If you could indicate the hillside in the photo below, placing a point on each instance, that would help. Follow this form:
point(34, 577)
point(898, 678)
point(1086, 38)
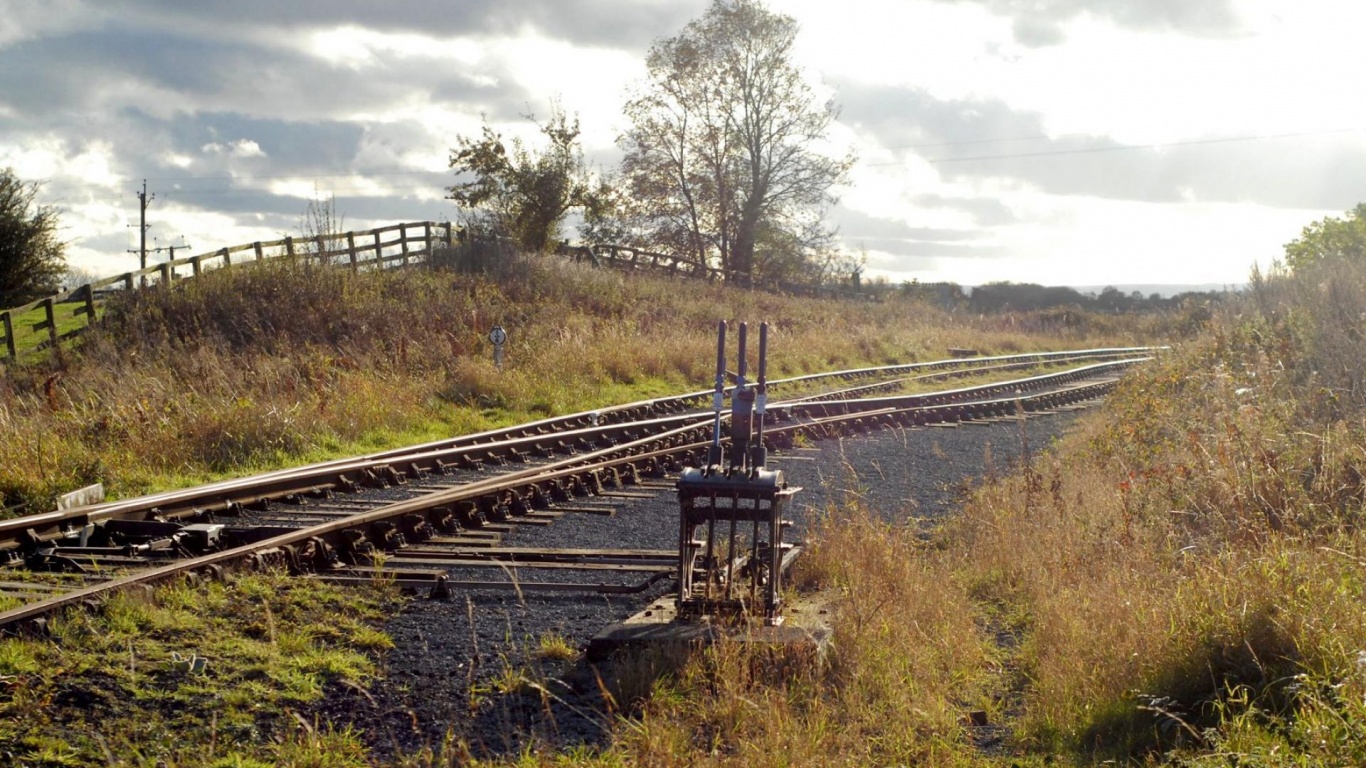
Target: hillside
point(285, 362)
point(1176, 583)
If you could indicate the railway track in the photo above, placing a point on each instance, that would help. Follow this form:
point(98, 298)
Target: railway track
point(413, 515)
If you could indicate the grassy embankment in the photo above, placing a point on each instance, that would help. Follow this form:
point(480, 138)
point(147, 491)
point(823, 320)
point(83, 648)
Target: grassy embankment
point(285, 363)
point(1180, 583)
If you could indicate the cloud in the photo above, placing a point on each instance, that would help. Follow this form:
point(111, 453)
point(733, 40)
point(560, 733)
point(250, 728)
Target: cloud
point(1039, 23)
point(900, 245)
point(608, 23)
point(974, 141)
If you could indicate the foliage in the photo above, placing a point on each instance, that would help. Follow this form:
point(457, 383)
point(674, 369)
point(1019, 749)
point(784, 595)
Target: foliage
point(32, 258)
point(1179, 584)
point(1008, 296)
point(522, 194)
point(721, 157)
point(1330, 238)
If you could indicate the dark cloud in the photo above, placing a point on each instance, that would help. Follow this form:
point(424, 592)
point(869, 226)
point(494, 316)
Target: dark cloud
point(985, 211)
point(1039, 22)
point(859, 226)
point(212, 122)
point(585, 22)
point(85, 70)
point(940, 250)
point(980, 139)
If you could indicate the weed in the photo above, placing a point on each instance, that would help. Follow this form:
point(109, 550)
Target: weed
point(554, 647)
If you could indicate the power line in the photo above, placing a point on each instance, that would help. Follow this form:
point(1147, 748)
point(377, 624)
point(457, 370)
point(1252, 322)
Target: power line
point(1113, 148)
point(930, 144)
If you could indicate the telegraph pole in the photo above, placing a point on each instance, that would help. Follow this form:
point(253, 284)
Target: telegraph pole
point(170, 249)
point(143, 200)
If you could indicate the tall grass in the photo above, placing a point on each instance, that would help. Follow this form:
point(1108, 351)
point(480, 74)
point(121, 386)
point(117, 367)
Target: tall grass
point(1180, 583)
point(287, 361)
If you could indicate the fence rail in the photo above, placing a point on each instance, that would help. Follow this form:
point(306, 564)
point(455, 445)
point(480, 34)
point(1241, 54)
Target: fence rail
point(382, 248)
point(47, 322)
point(629, 258)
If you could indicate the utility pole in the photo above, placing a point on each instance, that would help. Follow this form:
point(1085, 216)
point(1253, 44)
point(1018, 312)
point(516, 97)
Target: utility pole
point(170, 249)
point(143, 200)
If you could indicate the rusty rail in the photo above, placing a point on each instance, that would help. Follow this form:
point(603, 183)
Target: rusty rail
point(590, 473)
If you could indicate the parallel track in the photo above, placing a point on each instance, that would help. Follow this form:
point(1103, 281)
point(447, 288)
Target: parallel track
point(107, 547)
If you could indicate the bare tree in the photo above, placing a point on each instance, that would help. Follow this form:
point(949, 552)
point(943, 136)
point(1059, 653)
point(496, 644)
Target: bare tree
point(721, 157)
point(322, 227)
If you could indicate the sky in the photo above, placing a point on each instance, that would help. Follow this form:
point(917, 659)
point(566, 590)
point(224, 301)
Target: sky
point(1068, 142)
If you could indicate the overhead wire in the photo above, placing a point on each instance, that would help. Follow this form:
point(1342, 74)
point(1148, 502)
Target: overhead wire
point(1095, 150)
point(173, 193)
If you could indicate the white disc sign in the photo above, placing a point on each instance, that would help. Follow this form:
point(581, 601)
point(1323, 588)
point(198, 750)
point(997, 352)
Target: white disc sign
point(498, 336)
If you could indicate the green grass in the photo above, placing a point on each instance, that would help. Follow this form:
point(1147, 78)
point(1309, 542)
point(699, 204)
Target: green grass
point(253, 369)
point(27, 341)
point(106, 684)
point(1179, 584)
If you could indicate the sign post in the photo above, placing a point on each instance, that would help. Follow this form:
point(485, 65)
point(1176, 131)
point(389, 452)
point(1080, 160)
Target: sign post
point(498, 337)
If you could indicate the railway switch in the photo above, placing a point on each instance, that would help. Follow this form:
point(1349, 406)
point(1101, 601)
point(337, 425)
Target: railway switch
point(731, 552)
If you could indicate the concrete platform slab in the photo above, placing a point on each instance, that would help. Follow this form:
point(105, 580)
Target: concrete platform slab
point(807, 624)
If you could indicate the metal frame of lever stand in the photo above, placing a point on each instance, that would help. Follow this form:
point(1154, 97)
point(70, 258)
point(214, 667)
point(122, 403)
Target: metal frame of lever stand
point(718, 501)
point(728, 577)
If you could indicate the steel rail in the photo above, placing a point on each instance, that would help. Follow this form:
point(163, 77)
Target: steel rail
point(518, 483)
point(503, 444)
point(582, 420)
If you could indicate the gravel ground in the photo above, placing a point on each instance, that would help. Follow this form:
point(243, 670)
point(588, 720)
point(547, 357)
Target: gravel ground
point(460, 666)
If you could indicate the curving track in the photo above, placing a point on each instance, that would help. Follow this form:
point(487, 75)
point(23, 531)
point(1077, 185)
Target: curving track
point(423, 510)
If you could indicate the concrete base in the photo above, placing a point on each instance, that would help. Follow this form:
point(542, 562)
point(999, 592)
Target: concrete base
point(806, 625)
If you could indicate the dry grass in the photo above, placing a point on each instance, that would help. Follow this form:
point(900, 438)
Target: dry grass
point(284, 362)
point(1179, 584)
point(891, 692)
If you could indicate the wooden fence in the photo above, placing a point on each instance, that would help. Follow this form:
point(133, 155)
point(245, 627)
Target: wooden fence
point(45, 323)
point(397, 245)
point(630, 259)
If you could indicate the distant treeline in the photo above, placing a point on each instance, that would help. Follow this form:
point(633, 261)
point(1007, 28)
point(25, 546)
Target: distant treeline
point(1020, 297)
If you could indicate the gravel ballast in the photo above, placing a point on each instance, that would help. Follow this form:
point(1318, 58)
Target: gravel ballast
point(467, 667)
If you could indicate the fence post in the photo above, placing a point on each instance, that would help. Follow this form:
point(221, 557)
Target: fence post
point(403, 242)
point(51, 321)
point(427, 237)
point(128, 281)
point(379, 250)
point(322, 249)
point(166, 274)
point(227, 258)
point(289, 246)
point(257, 246)
point(89, 303)
point(450, 235)
point(194, 266)
point(351, 250)
point(9, 335)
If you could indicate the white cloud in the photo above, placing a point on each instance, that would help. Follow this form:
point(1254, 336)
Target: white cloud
point(302, 99)
point(240, 148)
